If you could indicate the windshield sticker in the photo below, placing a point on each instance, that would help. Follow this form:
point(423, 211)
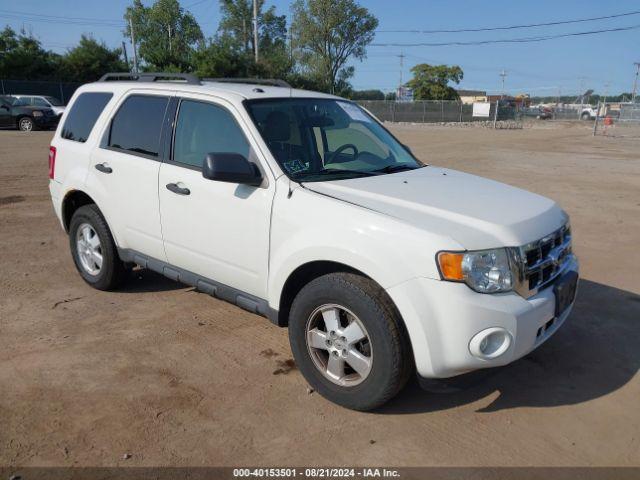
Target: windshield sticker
point(354, 112)
point(294, 166)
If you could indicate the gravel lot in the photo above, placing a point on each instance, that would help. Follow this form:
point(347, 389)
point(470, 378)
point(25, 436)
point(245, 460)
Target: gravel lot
point(174, 377)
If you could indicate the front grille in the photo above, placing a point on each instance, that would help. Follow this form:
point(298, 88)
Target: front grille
point(543, 260)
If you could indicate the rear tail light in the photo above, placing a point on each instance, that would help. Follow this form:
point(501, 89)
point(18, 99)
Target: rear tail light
point(52, 162)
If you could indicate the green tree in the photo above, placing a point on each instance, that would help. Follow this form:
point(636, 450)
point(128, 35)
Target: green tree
point(236, 33)
point(367, 95)
point(90, 59)
point(216, 58)
point(166, 35)
point(431, 82)
point(24, 58)
point(327, 34)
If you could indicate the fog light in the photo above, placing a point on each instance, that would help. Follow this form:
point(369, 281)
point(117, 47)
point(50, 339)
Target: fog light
point(490, 343)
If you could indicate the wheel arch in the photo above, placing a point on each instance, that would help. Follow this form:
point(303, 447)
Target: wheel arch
point(72, 201)
point(309, 271)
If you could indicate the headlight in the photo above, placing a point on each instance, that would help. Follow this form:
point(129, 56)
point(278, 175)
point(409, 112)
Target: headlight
point(485, 271)
point(37, 113)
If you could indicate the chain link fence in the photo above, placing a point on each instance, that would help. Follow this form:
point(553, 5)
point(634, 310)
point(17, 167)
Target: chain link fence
point(620, 120)
point(434, 111)
point(60, 90)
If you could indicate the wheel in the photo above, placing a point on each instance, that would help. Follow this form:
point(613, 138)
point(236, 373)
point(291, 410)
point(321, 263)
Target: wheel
point(26, 124)
point(585, 116)
point(93, 249)
point(349, 342)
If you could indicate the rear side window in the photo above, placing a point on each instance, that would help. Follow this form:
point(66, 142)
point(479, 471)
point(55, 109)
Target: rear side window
point(137, 125)
point(205, 128)
point(83, 115)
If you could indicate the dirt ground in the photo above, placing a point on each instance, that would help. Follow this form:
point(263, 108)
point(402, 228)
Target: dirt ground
point(174, 377)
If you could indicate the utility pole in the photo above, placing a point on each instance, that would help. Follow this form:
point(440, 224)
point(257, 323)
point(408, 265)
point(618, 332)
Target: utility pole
point(169, 29)
point(401, 57)
point(124, 52)
point(133, 43)
point(255, 28)
point(582, 91)
point(503, 74)
point(635, 82)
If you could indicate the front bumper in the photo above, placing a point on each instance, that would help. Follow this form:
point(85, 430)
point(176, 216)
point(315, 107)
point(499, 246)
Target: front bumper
point(442, 318)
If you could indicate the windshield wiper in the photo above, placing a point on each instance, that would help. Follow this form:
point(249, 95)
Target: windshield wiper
point(338, 171)
point(396, 167)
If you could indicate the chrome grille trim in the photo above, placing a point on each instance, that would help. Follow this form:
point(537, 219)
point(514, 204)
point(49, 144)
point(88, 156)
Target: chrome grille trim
point(539, 263)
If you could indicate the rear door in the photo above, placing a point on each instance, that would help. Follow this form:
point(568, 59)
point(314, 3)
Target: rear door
point(124, 170)
point(218, 230)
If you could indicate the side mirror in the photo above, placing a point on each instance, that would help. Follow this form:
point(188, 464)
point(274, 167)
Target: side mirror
point(232, 168)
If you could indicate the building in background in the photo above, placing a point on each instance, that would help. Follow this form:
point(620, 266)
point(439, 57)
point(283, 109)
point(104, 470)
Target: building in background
point(472, 96)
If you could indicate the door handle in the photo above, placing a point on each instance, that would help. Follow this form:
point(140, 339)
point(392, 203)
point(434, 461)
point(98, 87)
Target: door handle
point(104, 168)
point(176, 189)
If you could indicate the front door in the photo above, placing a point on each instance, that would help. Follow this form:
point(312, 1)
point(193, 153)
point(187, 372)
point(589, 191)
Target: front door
point(215, 229)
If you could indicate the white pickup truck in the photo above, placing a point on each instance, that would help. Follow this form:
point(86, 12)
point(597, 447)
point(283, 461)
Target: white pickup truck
point(303, 208)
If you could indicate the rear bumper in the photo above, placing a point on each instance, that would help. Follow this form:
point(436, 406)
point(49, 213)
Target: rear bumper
point(46, 121)
point(444, 321)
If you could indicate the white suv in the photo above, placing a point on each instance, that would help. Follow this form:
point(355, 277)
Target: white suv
point(303, 208)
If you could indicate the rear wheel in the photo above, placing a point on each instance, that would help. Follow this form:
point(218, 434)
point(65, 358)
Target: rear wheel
point(94, 252)
point(26, 124)
point(348, 341)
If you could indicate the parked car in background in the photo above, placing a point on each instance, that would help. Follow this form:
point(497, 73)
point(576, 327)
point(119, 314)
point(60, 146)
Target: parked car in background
point(25, 117)
point(539, 112)
point(588, 112)
point(42, 101)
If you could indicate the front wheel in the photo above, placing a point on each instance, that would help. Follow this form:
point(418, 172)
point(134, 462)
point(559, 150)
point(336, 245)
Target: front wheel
point(348, 341)
point(586, 116)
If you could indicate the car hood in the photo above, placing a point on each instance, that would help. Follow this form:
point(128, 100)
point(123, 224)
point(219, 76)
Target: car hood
point(475, 212)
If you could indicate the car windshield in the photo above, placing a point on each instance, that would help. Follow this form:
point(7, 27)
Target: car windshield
point(315, 140)
point(54, 101)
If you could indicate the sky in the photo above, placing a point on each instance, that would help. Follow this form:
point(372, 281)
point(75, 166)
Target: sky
point(602, 62)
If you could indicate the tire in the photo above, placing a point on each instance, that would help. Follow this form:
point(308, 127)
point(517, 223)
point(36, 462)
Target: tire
point(88, 225)
point(361, 301)
point(585, 116)
point(26, 124)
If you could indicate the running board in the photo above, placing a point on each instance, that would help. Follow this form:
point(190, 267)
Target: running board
point(219, 290)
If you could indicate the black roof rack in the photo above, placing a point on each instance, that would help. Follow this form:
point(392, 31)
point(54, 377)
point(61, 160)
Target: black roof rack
point(151, 77)
point(274, 82)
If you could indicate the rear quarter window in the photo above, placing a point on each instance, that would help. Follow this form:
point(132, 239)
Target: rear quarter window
point(83, 115)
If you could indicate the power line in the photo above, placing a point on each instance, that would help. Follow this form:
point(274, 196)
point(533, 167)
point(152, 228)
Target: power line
point(36, 17)
point(506, 40)
point(514, 27)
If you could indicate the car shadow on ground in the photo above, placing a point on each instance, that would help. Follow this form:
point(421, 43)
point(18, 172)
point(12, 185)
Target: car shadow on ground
point(142, 280)
point(593, 354)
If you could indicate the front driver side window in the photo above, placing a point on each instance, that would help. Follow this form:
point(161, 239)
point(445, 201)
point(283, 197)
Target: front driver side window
point(206, 128)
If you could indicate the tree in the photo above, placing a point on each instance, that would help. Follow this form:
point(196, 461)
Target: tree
point(24, 58)
point(217, 58)
point(367, 95)
point(327, 34)
point(165, 33)
point(90, 59)
point(236, 33)
point(431, 82)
